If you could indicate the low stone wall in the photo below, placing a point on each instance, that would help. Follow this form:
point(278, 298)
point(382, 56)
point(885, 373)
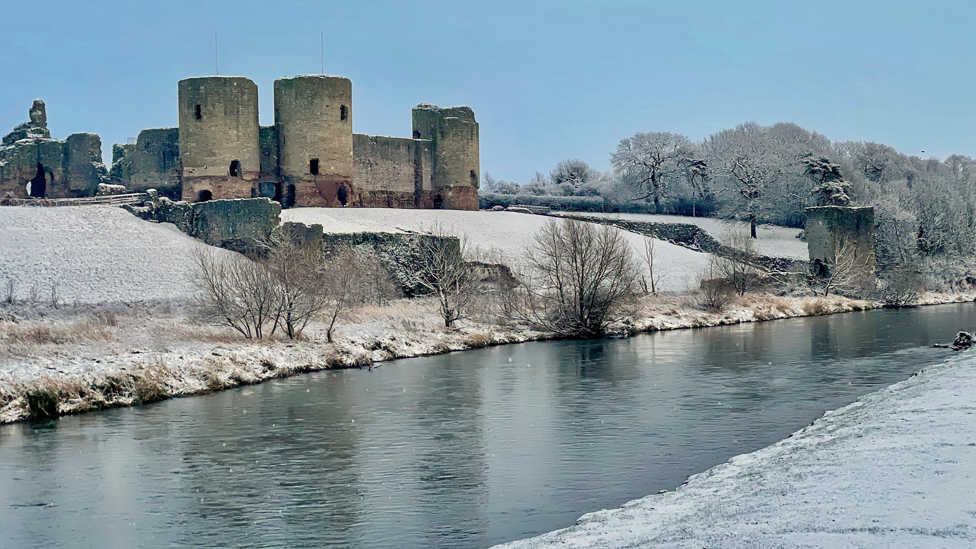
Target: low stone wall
point(694, 237)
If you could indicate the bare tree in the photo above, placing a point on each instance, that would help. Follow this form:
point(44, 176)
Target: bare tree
point(651, 282)
point(235, 291)
point(343, 277)
point(444, 272)
point(581, 278)
point(298, 273)
point(846, 271)
point(649, 161)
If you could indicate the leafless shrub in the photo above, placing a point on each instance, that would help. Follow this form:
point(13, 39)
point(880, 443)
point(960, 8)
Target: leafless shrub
point(581, 278)
point(900, 286)
point(445, 273)
point(737, 268)
point(235, 291)
point(33, 294)
point(651, 282)
point(713, 293)
point(10, 291)
point(56, 294)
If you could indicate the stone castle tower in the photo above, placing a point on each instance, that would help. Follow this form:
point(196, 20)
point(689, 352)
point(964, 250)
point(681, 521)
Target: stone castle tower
point(309, 157)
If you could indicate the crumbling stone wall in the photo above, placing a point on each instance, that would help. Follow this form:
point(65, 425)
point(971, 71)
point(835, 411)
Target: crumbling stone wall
point(71, 168)
point(153, 162)
point(218, 137)
point(233, 224)
point(827, 228)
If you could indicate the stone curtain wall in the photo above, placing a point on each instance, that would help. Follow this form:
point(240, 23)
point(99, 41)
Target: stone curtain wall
point(392, 172)
point(233, 224)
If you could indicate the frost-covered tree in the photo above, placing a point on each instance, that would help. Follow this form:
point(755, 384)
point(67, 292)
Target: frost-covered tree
point(829, 185)
point(650, 162)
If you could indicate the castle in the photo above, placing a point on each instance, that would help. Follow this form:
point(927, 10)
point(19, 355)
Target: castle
point(309, 157)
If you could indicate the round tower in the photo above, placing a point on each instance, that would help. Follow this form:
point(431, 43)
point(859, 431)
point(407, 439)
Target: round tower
point(453, 133)
point(219, 137)
point(313, 115)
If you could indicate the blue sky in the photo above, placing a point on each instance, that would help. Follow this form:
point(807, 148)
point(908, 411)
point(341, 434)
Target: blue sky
point(548, 80)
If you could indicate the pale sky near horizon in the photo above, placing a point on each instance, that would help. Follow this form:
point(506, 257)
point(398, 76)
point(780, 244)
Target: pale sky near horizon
point(548, 80)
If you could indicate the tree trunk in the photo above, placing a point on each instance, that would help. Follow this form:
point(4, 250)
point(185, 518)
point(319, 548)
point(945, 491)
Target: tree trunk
point(752, 227)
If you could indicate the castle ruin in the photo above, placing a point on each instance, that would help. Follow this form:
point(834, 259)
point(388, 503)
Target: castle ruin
point(309, 157)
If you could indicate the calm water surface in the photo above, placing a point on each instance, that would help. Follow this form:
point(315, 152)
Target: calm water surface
point(462, 450)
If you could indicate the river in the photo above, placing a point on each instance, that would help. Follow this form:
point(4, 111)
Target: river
point(461, 450)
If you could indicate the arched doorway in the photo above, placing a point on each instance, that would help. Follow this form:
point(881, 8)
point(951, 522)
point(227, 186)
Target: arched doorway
point(204, 196)
point(38, 185)
point(438, 202)
point(343, 195)
point(289, 198)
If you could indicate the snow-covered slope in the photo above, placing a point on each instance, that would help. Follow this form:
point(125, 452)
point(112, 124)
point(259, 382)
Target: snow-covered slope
point(896, 469)
point(95, 254)
point(508, 234)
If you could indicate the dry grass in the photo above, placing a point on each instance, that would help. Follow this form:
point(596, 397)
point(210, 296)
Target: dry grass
point(479, 340)
point(816, 307)
point(181, 331)
point(403, 315)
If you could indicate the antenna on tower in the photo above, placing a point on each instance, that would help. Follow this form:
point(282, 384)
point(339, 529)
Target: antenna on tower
point(322, 46)
point(216, 63)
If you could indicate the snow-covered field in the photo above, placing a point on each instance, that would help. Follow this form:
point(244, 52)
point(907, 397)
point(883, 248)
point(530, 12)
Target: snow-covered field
point(896, 469)
point(94, 254)
point(771, 240)
point(507, 234)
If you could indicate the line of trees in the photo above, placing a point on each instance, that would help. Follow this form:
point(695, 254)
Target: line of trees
point(925, 208)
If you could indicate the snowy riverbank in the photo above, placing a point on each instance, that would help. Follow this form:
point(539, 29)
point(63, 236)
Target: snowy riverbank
point(893, 469)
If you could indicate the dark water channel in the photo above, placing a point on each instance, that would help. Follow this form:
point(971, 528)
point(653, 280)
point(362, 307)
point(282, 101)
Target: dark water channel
point(461, 450)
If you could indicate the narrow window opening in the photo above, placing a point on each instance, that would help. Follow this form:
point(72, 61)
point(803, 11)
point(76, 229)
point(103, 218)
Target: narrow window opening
point(313, 166)
point(416, 134)
point(343, 112)
point(438, 202)
point(254, 193)
point(204, 196)
point(235, 168)
point(474, 176)
point(278, 195)
point(197, 112)
point(343, 195)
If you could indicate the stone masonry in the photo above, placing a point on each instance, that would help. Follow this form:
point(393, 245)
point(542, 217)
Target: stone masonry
point(309, 157)
point(33, 165)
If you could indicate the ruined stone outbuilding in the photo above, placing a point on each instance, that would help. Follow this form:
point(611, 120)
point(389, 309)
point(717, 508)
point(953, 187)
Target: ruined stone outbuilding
point(32, 164)
point(309, 157)
point(830, 229)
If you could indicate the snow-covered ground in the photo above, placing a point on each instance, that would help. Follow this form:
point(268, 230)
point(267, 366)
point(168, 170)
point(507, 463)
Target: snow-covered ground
point(895, 469)
point(507, 234)
point(771, 240)
point(94, 254)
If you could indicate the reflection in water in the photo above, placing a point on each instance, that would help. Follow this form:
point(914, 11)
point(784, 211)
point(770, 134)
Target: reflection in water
point(462, 450)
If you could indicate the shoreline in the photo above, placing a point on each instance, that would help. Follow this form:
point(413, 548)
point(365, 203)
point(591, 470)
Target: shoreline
point(891, 469)
point(143, 377)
